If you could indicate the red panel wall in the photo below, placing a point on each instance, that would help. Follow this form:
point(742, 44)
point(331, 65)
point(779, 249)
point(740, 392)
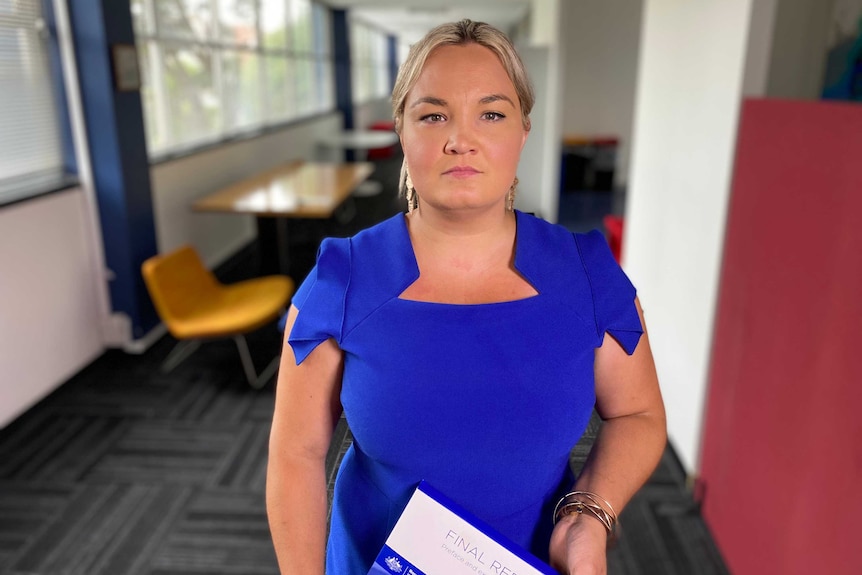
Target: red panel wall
point(782, 453)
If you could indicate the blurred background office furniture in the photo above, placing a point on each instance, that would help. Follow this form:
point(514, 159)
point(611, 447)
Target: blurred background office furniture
point(195, 306)
point(294, 191)
point(385, 152)
point(589, 163)
point(589, 190)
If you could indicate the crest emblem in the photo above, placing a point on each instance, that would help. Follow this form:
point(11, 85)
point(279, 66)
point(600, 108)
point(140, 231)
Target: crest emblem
point(394, 564)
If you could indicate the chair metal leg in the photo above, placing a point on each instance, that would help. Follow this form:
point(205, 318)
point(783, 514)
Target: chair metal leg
point(283, 236)
point(245, 356)
point(254, 380)
point(266, 374)
point(183, 349)
point(186, 347)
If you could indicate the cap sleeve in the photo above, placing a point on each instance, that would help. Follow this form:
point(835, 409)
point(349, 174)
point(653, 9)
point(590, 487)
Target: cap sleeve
point(320, 299)
point(613, 293)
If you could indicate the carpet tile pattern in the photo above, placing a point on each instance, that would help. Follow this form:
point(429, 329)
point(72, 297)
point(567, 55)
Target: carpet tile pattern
point(172, 483)
point(129, 471)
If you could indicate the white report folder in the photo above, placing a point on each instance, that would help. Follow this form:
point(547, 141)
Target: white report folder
point(435, 536)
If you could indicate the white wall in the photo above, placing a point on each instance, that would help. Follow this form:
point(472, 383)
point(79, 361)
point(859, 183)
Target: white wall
point(532, 169)
point(601, 45)
point(688, 98)
point(176, 184)
point(49, 312)
point(539, 169)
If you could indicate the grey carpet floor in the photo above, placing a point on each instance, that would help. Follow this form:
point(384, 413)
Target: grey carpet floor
point(125, 470)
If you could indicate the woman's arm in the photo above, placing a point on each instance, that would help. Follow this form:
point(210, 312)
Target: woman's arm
point(626, 452)
point(307, 408)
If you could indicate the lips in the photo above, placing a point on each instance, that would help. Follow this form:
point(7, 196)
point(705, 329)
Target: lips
point(461, 171)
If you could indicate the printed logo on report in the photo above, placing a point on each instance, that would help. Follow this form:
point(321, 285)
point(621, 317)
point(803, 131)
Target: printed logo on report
point(394, 564)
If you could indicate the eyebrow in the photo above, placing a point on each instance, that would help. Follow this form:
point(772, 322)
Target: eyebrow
point(496, 98)
point(430, 100)
point(442, 103)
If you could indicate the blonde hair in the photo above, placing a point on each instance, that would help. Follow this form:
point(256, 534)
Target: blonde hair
point(460, 34)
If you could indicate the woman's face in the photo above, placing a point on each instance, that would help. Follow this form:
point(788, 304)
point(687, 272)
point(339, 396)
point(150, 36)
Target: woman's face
point(462, 133)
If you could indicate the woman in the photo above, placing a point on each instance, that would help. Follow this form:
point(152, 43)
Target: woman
point(464, 342)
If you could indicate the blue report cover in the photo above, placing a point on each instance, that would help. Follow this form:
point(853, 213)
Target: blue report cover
point(435, 536)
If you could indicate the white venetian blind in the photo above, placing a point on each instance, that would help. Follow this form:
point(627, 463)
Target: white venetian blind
point(31, 158)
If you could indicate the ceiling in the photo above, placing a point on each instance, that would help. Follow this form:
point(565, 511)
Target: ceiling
point(411, 19)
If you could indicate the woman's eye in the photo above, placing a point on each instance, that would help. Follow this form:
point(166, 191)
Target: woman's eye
point(433, 118)
point(493, 116)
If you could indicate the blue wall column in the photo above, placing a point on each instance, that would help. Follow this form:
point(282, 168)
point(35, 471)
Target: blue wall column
point(341, 52)
point(392, 54)
point(118, 152)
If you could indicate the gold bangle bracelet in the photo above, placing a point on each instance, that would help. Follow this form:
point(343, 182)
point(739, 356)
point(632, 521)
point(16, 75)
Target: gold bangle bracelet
point(580, 501)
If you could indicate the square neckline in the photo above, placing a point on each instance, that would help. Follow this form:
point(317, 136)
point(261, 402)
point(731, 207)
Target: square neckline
point(408, 243)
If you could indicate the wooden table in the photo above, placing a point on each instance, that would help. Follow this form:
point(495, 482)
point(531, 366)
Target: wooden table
point(299, 190)
point(295, 190)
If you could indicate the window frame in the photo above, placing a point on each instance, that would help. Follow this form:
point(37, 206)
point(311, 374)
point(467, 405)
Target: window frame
point(318, 53)
point(369, 62)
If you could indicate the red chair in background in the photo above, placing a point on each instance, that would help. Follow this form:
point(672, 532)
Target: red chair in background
point(388, 151)
point(614, 229)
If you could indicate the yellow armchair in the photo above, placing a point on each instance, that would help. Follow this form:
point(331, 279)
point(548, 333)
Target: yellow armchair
point(195, 306)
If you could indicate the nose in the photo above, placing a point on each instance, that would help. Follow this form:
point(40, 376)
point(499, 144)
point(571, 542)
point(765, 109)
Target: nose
point(461, 138)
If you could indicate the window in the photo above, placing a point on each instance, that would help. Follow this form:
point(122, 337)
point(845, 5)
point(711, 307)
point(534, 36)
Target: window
point(31, 150)
point(369, 62)
point(212, 69)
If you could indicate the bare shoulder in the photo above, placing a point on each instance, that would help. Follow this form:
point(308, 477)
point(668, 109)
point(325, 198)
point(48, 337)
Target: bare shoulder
point(307, 404)
point(626, 384)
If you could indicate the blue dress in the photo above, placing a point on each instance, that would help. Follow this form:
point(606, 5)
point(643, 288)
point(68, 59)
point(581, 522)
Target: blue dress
point(483, 401)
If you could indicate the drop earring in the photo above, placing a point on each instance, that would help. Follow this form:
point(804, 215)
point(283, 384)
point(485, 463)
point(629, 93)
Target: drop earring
point(510, 197)
point(409, 193)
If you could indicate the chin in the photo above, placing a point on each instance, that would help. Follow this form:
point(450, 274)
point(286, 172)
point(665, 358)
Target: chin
point(469, 205)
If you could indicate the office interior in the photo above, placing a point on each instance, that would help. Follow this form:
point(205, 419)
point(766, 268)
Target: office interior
point(741, 189)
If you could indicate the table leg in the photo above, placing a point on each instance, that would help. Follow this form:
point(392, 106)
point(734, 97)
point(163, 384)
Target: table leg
point(369, 187)
point(273, 246)
point(283, 239)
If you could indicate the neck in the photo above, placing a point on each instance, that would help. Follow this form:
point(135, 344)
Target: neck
point(474, 236)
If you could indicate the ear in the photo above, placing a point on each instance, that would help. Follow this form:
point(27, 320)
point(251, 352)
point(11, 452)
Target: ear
point(399, 129)
point(524, 137)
